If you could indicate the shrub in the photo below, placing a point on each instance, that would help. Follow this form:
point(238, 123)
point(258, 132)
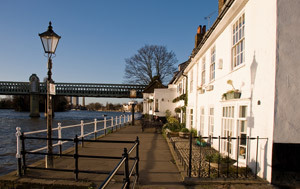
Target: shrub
point(194, 131)
point(185, 130)
point(173, 124)
point(168, 113)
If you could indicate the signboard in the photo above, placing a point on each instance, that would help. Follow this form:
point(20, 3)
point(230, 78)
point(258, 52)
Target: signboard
point(52, 89)
point(132, 93)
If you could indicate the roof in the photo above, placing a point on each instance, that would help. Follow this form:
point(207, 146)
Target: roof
point(153, 85)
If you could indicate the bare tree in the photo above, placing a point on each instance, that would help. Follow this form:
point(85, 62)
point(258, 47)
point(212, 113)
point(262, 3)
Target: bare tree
point(150, 61)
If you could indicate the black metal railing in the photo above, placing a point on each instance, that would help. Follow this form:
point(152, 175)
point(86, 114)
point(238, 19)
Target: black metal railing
point(189, 163)
point(22, 165)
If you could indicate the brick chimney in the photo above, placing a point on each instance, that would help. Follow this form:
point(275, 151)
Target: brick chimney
point(199, 36)
point(221, 4)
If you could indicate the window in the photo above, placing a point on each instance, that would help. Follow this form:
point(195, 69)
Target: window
point(211, 123)
point(180, 88)
point(242, 129)
point(202, 116)
point(156, 105)
point(203, 71)
point(191, 118)
point(227, 127)
point(212, 64)
point(238, 42)
point(191, 81)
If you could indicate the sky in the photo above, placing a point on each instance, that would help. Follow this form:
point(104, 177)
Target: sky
point(96, 36)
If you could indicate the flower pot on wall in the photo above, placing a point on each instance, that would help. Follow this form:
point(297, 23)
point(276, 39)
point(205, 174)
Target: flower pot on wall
point(232, 95)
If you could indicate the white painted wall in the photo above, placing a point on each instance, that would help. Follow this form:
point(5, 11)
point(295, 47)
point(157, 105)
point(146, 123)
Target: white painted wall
point(287, 103)
point(260, 50)
point(165, 98)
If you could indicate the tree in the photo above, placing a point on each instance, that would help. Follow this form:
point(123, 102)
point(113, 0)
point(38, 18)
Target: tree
point(150, 61)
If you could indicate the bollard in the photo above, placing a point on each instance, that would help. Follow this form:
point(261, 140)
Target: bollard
point(95, 129)
point(59, 136)
point(18, 154)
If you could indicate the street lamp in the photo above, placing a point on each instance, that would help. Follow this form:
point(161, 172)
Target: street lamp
point(49, 40)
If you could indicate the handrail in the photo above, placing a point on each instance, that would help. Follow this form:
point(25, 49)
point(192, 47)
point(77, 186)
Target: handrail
point(124, 159)
point(128, 173)
point(59, 128)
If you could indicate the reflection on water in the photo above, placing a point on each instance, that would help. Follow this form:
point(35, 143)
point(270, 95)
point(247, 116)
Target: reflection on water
point(9, 120)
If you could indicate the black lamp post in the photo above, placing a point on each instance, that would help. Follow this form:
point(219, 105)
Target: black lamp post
point(49, 40)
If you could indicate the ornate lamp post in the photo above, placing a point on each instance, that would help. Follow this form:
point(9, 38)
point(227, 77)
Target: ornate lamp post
point(49, 40)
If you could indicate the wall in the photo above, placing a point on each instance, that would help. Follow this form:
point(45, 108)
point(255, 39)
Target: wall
point(165, 98)
point(286, 147)
point(255, 78)
point(287, 119)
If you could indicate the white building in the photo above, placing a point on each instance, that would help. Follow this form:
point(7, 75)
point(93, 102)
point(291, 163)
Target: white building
point(252, 48)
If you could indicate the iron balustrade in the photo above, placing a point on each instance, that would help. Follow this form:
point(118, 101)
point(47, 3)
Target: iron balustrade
point(123, 159)
point(187, 163)
point(114, 124)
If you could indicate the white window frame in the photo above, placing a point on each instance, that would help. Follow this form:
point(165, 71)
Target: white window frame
point(227, 128)
point(242, 131)
point(202, 119)
point(191, 118)
point(191, 81)
point(212, 66)
point(203, 71)
point(238, 42)
point(211, 123)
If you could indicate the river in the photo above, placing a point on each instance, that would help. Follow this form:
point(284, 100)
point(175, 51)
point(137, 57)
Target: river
point(10, 119)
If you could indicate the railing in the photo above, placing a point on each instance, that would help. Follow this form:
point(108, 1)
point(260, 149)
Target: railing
point(127, 173)
point(114, 124)
point(22, 152)
point(192, 164)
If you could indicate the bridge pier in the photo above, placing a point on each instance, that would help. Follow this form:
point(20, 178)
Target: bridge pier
point(34, 105)
point(34, 89)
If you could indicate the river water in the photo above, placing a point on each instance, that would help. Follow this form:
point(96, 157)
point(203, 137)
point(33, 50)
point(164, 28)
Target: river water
point(9, 120)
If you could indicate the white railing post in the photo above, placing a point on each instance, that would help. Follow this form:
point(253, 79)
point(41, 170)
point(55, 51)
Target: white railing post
point(59, 136)
point(120, 121)
point(104, 125)
point(95, 129)
point(18, 154)
point(116, 121)
point(127, 118)
point(82, 132)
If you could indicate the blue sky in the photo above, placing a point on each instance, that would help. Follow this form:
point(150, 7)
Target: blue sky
point(96, 35)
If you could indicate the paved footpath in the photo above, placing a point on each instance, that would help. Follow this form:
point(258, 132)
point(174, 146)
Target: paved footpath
point(157, 168)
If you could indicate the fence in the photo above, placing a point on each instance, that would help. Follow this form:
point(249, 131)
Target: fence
point(197, 158)
point(114, 124)
point(21, 152)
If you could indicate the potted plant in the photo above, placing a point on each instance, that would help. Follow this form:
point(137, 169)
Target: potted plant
point(231, 94)
point(184, 133)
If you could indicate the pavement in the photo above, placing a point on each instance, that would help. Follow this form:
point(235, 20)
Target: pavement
point(157, 168)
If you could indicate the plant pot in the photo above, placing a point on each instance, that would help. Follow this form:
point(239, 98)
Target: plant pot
point(184, 134)
point(232, 95)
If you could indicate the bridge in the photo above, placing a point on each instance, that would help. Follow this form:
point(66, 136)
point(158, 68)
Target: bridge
point(34, 88)
point(74, 89)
